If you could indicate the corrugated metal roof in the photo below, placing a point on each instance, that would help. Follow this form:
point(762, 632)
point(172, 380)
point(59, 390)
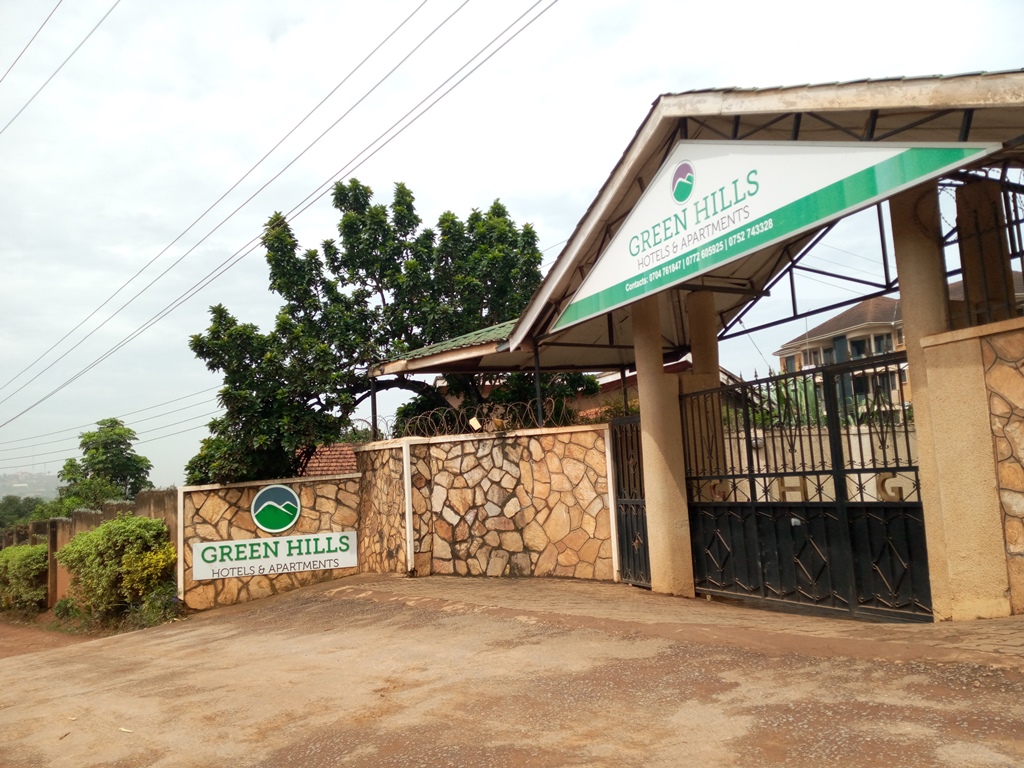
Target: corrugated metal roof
point(496, 333)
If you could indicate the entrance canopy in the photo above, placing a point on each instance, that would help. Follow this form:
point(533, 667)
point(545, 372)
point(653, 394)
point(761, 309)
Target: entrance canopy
point(724, 191)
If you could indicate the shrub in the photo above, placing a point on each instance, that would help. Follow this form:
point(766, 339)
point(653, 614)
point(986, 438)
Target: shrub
point(65, 609)
point(112, 567)
point(160, 604)
point(144, 572)
point(24, 571)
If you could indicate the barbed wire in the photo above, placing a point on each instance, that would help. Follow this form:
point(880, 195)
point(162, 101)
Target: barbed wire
point(466, 420)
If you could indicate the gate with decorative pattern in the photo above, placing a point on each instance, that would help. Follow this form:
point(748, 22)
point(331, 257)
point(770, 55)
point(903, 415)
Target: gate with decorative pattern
point(630, 509)
point(804, 488)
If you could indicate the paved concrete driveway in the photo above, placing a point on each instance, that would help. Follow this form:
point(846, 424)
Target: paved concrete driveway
point(463, 672)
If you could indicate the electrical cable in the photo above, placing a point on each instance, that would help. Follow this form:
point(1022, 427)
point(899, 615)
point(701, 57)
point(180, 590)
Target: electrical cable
point(819, 257)
point(180, 432)
point(122, 416)
point(31, 40)
point(203, 215)
point(73, 437)
point(33, 456)
point(303, 205)
point(33, 97)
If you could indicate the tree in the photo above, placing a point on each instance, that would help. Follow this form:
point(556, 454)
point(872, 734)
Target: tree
point(386, 287)
point(109, 468)
point(17, 509)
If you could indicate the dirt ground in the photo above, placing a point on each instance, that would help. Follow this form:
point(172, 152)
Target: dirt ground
point(362, 673)
point(17, 638)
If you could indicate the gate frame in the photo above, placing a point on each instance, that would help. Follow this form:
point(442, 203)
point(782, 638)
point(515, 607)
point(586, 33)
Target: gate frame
point(844, 539)
point(629, 525)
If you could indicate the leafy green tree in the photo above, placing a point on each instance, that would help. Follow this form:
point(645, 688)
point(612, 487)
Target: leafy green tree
point(109, 468)
point(17, 509)
point(385, 287)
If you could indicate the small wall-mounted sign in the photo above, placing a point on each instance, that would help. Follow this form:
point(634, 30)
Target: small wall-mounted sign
point(267, 557)
point(276, 508)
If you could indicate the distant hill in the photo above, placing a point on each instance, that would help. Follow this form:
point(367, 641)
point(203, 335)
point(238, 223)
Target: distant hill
point(29, 484)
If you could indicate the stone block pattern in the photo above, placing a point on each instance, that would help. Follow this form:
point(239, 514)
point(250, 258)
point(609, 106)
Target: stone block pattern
point(382, 512)
point(1003, 358)
point(516, 506)
point(222, 514)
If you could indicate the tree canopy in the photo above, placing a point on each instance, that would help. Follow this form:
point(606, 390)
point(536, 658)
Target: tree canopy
point(109, 465)
point(384, 287)
point(17, 509)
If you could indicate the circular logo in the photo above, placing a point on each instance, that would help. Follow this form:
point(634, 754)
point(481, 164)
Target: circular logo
point(682, 182)
point(275, 508)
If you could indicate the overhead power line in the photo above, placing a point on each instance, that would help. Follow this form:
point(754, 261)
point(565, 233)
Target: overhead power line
point(369, 151)
point(172, 434)
point(40, 90)
point(31, 40)
point(248, 200)
point(71, 452)
point(86, 426)
point(201, 216)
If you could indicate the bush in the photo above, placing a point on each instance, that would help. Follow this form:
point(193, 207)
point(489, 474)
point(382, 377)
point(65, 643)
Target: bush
point(24, 572)
point(65, 609)
point(160, 605)
point(144, 572)
point(115, 567)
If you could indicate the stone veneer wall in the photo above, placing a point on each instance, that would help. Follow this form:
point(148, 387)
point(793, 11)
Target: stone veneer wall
point(526, 505)
point(221, 513)
point(1003, 358)
point(381, 511)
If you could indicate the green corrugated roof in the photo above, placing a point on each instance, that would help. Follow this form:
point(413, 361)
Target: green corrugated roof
point(499, 332)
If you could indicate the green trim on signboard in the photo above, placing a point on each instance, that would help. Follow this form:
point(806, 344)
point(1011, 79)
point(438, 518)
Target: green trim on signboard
point(913, 165)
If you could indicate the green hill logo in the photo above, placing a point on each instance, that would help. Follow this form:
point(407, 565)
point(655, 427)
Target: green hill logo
point(275, 508)
point(682, 181)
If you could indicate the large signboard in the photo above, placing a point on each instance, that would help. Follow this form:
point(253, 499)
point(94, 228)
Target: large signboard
point(716, 201)
point(269, 556)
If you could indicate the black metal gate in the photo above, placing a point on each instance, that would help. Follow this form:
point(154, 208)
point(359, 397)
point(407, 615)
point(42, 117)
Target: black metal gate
point(804, 488)
point(630, 510)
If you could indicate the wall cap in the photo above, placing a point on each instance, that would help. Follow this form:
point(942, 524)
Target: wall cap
point(397, 442)
point(974, 332)
point(250, 483)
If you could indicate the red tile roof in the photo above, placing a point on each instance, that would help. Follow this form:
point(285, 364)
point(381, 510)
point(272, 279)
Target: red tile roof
point(337, 459)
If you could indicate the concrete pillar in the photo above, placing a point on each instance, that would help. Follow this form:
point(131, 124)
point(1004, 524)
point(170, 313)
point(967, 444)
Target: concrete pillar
point(704, 433)
point(953, 480)
point(668, 524)
point(984, 253)
point(702, 322)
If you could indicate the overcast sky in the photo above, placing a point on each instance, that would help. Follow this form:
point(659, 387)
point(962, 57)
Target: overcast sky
point(167, 105)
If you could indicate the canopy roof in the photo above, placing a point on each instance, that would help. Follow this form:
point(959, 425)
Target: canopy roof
point(981, 107)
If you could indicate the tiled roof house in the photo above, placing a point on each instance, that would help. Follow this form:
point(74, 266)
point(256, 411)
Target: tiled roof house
point(336, 459)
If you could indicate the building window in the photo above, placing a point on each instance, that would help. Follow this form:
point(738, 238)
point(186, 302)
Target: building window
point(815, 357)
point(883, 344)
point(828, 356)
point(899, 337)
point(858, 348)
point(789, 364)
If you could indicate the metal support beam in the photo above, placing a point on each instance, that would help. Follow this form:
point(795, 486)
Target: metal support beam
point(374, 435)
point(537, 387)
